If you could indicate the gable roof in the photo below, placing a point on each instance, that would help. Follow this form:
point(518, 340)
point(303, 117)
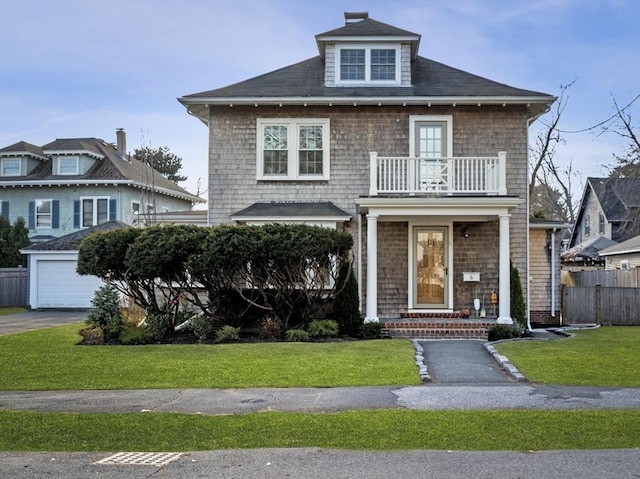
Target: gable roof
point(618, 197)
point(71, 242)
point(110, 168)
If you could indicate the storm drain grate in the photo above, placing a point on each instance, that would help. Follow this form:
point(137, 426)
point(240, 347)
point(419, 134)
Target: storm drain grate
point(141, 458)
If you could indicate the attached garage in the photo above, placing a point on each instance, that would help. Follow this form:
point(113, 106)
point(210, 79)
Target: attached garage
point(53, 281)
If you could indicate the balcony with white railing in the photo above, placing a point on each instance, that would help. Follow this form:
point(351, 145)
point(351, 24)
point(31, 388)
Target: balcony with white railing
point(440, 176)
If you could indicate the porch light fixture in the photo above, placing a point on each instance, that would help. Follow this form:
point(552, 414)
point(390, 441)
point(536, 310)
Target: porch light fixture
point(465, 232)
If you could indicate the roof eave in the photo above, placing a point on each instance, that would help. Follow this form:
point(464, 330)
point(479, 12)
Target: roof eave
point(89, 182)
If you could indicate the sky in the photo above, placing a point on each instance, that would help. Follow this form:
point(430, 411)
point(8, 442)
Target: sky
point(82, 68)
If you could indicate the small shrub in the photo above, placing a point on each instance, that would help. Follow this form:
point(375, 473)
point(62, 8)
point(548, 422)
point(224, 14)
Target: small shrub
point(323, 328)
point(270, 328)
point(518, 305)
point(297, 336)
point(505, 331)
point(159, 325)
point(371, 330)
point(92, 336)
point(201, 326)
point(135, 335)
point(106, 313)
point(227, 334)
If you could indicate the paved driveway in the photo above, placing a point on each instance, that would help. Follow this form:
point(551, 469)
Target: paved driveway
point(39, 319)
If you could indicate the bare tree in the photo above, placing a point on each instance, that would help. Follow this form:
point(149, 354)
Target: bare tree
point(550, 184)
point(627, 164)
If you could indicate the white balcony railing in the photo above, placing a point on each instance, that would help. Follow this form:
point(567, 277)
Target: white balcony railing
point(446, 176)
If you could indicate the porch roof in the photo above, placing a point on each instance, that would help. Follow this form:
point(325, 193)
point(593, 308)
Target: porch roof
point(292, 211)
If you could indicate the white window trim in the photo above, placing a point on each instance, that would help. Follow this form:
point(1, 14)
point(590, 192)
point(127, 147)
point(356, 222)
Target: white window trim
point(367, 47)
point(293, 160)
point(133, 209)
point(50, 214)
point(413, 119)
point(5, 161)
point(94, 221)
point(59, 165)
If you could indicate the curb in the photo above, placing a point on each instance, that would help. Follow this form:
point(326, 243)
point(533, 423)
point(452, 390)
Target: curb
point(504, 363)
point(422, 367)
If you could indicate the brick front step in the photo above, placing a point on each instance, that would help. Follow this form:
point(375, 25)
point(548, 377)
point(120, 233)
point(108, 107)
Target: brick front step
point(441, 328)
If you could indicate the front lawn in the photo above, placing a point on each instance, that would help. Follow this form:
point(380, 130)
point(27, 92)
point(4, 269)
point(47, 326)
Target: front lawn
point(370, 430)
point(607, 356)
point(51, 359)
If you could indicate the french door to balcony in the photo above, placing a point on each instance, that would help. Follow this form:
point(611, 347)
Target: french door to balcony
point(431, 142)
point(430, 270)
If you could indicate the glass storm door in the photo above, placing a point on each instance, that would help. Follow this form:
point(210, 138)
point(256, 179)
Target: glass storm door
point(431, 142)
point(430, 268)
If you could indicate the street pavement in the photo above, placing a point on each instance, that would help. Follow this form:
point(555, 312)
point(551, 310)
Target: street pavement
point(464, 377)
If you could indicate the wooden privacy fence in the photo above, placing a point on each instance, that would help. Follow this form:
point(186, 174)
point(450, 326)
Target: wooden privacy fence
point(598, 304)
point(13, 287)
point(629, 278)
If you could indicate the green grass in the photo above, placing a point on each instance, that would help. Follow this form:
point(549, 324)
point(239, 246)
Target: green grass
point(51, 360)
point(607, 356)
point(369, 430)
point(11, 310)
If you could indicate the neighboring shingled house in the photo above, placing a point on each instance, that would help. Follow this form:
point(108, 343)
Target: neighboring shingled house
point(70, 184)
point(609, 213)
point(625, 255)
point(424, 164)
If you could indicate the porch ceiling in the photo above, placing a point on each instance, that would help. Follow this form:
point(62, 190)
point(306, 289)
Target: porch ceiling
point(469, 208)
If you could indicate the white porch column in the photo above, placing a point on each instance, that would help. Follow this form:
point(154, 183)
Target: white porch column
point(373, 173)
point(371, 313)
point(504, 302)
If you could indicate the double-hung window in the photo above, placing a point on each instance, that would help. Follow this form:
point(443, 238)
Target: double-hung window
point(293, 149)
point(364, 64)
point(95, 211)
point(68, 165)
point(43, 214)
point(10, 167)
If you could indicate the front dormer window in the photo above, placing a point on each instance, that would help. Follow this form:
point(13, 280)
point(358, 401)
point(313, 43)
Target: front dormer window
point(368, 64)
point(68, 165)
point(10, 167)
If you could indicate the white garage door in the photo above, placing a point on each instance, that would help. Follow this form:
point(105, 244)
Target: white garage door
point(59, 286)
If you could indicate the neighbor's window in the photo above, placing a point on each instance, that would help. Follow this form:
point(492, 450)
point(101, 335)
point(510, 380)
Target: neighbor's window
point(95, 211)
point(600, 223)
point(293, 149)
point(43, 213)
point(587, 226)
point(68, 165)
point(10, 167)
point(366, 64)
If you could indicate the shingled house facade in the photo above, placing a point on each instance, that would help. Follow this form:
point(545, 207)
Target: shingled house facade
point(424, 164)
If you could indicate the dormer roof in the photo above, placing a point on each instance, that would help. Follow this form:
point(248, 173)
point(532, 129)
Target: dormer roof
point(367, 29)
point(22, 148)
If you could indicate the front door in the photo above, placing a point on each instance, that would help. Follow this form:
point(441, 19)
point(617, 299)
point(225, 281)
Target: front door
point(430, 268)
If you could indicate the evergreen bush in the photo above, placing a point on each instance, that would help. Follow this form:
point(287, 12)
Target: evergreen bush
point(371, 330)
point(323, 328)
point(227, 334)
point(297, 336)
point(346, 307)
point(106, 312)
point(518, 307)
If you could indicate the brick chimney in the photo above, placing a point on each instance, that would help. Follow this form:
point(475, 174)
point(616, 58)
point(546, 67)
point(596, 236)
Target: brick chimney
point(121, 145)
